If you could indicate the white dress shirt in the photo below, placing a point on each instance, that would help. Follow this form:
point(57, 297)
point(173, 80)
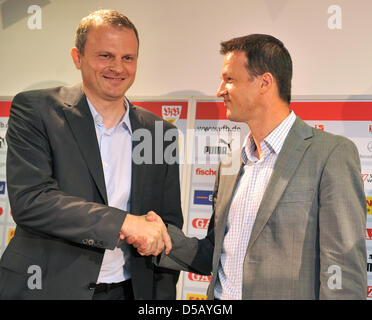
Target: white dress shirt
point(115, 147)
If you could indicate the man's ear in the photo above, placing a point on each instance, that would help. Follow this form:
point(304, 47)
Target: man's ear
point(267, 81)
point(76, 57)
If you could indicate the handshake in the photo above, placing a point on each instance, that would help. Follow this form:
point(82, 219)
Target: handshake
point(147, 233)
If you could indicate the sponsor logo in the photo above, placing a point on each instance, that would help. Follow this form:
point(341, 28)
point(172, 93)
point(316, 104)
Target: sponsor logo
point(199, 223)
point(223, 128)
point(369, 292)
point(369, 205)
point(319, 127)
point(226, 146)
point(198, 277)
point(367, 177)
point(2, 143)
point(215, 150)
point(370, 128)
point(10, 234)
point(369, 264)
point(192, 296)
point(209, 172)
point(2, 187)
point(369, 146)
point(368, 234)
point(204, 197)
point(171, 113)
point(1, 211)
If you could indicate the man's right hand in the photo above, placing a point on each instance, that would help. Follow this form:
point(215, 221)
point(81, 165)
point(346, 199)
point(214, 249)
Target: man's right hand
point(149, 236)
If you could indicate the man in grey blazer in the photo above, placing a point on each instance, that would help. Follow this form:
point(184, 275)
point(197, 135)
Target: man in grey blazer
point(76, 184)
point(290, 222)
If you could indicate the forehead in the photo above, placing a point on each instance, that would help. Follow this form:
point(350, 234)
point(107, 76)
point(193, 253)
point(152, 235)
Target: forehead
point(102, 35)
point(234, 62)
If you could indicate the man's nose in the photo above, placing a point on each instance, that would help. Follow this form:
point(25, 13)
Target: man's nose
point(221, 90)
point(117, 66)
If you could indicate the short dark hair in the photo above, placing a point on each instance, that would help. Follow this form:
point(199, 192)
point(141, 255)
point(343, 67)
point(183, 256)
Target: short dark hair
point(265, 53)
point(109, 17)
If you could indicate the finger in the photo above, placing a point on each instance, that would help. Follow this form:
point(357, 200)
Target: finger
point(131, 239)
point(160, 249)
point(146, 250)
point(144, 253)
point(137, 242)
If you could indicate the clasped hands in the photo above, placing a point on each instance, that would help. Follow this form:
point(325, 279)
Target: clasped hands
point(147, 233)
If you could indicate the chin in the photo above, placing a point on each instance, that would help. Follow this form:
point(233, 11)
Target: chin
point(115, 95)
point(229, 116)
point(232, 118)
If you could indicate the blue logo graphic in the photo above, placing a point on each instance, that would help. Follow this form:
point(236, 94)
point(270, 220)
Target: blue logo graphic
point(203, 197)
point(2, 187)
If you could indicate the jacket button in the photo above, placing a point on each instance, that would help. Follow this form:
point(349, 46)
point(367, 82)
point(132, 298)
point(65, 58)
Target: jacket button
point(91, 286)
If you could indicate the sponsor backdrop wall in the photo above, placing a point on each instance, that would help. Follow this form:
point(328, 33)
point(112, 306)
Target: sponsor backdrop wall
point(179, 67)
point(206, 136)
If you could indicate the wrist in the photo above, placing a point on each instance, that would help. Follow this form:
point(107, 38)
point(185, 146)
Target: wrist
point(126, 227)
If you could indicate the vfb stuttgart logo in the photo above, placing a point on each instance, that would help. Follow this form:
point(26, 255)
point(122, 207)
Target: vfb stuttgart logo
point(171, 113)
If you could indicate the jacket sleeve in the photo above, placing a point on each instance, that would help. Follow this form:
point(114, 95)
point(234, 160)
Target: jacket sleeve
point(191, 254)
point(342, 222)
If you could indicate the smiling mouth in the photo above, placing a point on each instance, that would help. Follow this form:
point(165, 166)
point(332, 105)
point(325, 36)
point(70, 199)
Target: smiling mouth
point(114, 78)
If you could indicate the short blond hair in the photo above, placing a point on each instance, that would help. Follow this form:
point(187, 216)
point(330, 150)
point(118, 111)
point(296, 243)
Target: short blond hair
point(109, 17)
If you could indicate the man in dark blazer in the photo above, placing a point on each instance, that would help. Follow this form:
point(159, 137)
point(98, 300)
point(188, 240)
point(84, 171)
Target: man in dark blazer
point(60, 183)
point(289, 222)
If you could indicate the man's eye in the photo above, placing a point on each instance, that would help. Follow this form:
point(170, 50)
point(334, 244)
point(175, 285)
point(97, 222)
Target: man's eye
point(128, 58)
point(104, 55)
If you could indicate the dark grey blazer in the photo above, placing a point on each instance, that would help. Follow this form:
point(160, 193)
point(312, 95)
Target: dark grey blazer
point(311, 223)
point(58, 198)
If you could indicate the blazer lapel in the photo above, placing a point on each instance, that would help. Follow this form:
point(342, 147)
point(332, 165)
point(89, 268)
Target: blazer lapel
point(226, 188)
point(81, 122)
point(138, 170)
point(288, 160)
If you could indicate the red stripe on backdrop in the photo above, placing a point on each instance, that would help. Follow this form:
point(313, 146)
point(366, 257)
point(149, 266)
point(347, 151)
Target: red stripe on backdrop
point(210, 110)
point(333, 110)
point(156, 106)
point(306, 110)
point(5, 108)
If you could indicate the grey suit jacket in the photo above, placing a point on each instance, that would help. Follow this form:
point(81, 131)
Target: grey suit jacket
point(58, 198)
point(308, 238)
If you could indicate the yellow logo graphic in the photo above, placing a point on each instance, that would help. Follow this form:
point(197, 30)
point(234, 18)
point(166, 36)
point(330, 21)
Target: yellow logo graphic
point(192, 296)
point(369, 205)
point(10, 233)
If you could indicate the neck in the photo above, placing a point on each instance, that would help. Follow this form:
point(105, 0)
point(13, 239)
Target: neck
point(263, 125)
point(111, 111)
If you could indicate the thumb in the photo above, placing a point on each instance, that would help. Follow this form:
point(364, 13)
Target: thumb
point(151, 216)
